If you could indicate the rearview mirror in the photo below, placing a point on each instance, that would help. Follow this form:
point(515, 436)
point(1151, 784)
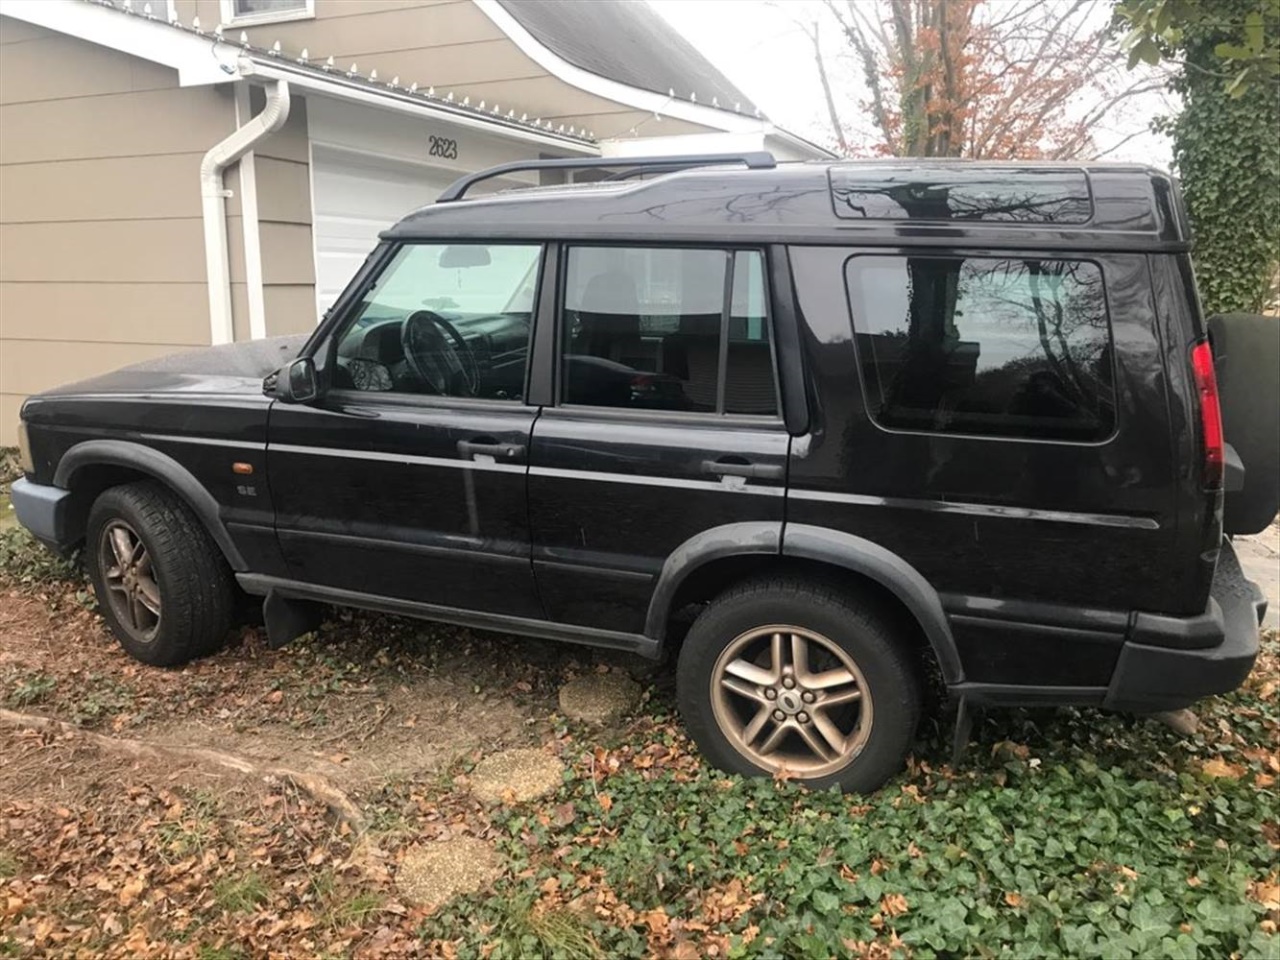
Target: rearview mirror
point(464, 255)
point(297, 383)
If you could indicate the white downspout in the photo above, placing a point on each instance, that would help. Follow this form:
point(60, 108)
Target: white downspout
point(214, 204)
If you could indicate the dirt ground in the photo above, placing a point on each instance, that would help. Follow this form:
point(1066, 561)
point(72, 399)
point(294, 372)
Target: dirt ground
point(391, 713)
point(368, 700)
point(126, 830)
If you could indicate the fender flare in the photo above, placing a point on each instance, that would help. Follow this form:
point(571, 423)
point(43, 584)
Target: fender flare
point(730, 540)
point(890, 571)
point(135, 456)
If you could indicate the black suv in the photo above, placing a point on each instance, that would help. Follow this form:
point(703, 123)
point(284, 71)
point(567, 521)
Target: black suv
point(861, 422)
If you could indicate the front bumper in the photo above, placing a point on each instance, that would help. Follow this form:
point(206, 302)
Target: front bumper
point(1182, 668)
point(44, 510)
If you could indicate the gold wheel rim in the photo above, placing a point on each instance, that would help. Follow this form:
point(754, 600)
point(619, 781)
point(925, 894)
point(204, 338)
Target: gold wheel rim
point(790, 699)
point(130, 580)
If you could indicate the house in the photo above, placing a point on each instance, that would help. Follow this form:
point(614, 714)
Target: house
point(176, 173)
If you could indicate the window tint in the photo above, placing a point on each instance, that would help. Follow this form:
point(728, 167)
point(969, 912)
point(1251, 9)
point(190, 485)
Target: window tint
point(653, 327)
point(444, 319)
point(1018, 348)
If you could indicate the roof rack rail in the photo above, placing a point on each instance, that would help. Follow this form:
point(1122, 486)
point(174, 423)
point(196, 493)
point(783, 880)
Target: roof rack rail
point(756, 160)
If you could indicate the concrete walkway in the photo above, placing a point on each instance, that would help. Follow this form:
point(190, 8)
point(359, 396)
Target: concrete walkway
point(1260, 557)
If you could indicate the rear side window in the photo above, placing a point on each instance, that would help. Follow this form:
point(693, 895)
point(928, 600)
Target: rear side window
point(663, 328)
point(987, 346)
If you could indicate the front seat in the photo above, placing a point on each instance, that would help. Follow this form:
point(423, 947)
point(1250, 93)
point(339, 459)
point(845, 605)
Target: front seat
point(609, 318)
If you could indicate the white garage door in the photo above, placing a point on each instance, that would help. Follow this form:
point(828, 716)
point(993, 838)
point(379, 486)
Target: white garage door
point(356, 197)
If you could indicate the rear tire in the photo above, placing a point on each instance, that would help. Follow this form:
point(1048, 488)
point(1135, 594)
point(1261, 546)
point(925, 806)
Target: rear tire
point(162, 585)
point(835, 648)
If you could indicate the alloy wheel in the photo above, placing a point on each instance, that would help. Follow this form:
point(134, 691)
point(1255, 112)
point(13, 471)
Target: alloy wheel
point(128, 575)
point(791, 699)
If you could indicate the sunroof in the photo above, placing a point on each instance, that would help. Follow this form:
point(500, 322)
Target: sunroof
point(932, 193)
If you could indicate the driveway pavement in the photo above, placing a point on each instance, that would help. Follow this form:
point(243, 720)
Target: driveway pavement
point(1260, 557)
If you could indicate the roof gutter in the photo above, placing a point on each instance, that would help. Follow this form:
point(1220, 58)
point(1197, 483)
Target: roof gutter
point(213, 198)
point(402, 101)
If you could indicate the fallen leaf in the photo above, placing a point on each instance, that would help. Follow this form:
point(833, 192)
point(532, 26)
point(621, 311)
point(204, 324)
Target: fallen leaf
point(131, 891)
point(1267, 894)
point(1217, 767)
point(894, 904)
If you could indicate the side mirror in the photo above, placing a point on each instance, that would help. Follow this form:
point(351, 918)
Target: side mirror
point(297, 383)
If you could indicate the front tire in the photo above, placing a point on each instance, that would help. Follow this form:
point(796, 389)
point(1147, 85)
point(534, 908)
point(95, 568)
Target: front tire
point(797, 676)
point(162, 585)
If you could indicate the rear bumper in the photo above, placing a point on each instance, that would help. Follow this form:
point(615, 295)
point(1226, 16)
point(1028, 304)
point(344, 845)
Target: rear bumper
point(45, 511)
point(1170, 663)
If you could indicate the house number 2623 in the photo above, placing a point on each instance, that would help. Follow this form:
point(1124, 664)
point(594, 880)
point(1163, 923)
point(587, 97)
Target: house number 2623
point(443, 147)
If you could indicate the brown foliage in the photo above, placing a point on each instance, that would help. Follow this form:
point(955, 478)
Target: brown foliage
point(1005, 80)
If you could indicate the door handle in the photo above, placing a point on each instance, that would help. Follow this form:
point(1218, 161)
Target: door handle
point(488, 447)
point(753, 471)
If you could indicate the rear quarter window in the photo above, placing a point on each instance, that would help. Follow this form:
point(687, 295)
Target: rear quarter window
point(987, 346)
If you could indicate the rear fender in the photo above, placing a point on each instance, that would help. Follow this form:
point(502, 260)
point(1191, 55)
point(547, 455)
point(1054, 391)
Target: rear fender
point(890, 571)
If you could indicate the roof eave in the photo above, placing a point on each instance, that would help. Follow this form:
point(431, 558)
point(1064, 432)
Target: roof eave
point(714, 118)
point(386, 97)
point(204, 58)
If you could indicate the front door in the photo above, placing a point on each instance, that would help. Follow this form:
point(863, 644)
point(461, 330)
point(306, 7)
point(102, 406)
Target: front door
point(407, 478)
point(666, 424)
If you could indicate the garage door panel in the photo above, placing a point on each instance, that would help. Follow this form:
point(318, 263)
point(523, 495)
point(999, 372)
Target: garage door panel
point(357, 196)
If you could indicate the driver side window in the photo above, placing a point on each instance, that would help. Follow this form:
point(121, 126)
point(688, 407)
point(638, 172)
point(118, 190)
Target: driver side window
point(450, 320)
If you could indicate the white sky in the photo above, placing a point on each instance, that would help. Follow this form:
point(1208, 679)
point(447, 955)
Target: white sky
point(756, 44)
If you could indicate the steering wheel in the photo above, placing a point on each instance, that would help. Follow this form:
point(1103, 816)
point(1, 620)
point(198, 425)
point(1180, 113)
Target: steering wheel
point(438, 355)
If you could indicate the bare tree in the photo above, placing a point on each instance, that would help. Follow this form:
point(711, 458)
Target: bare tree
point(998, 79)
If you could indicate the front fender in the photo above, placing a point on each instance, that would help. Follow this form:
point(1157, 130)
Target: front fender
point(135, 456)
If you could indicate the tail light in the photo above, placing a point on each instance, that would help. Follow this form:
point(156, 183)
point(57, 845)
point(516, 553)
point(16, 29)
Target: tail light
point(1206, 379)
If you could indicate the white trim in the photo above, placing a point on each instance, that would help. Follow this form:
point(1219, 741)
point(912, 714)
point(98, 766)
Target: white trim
point(133, 34)
point(315, 250)
point(231, 19)
point(250, 224)
point(336, 86)
point(622, 93)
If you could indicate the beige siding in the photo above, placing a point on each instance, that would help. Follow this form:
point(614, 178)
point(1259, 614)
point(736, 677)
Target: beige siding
point(178, 120)
point(103, 251)
point(284, 191)
point(290, 309)
point(284, 234)
point(15, 31)
point(24, 364)
point(83, 70)
point(113, 188)
point(101, 241)
point(447, 44)
point(162, 313)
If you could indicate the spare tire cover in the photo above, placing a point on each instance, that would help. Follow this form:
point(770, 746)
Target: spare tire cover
point(1246, 350)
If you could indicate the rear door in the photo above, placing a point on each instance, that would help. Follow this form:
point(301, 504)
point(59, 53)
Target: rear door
point(407, 478)
point(666, 422)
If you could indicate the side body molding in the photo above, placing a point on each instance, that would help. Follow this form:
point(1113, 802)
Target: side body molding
point(729, 540)
point(123, 453)
point(890, 571)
